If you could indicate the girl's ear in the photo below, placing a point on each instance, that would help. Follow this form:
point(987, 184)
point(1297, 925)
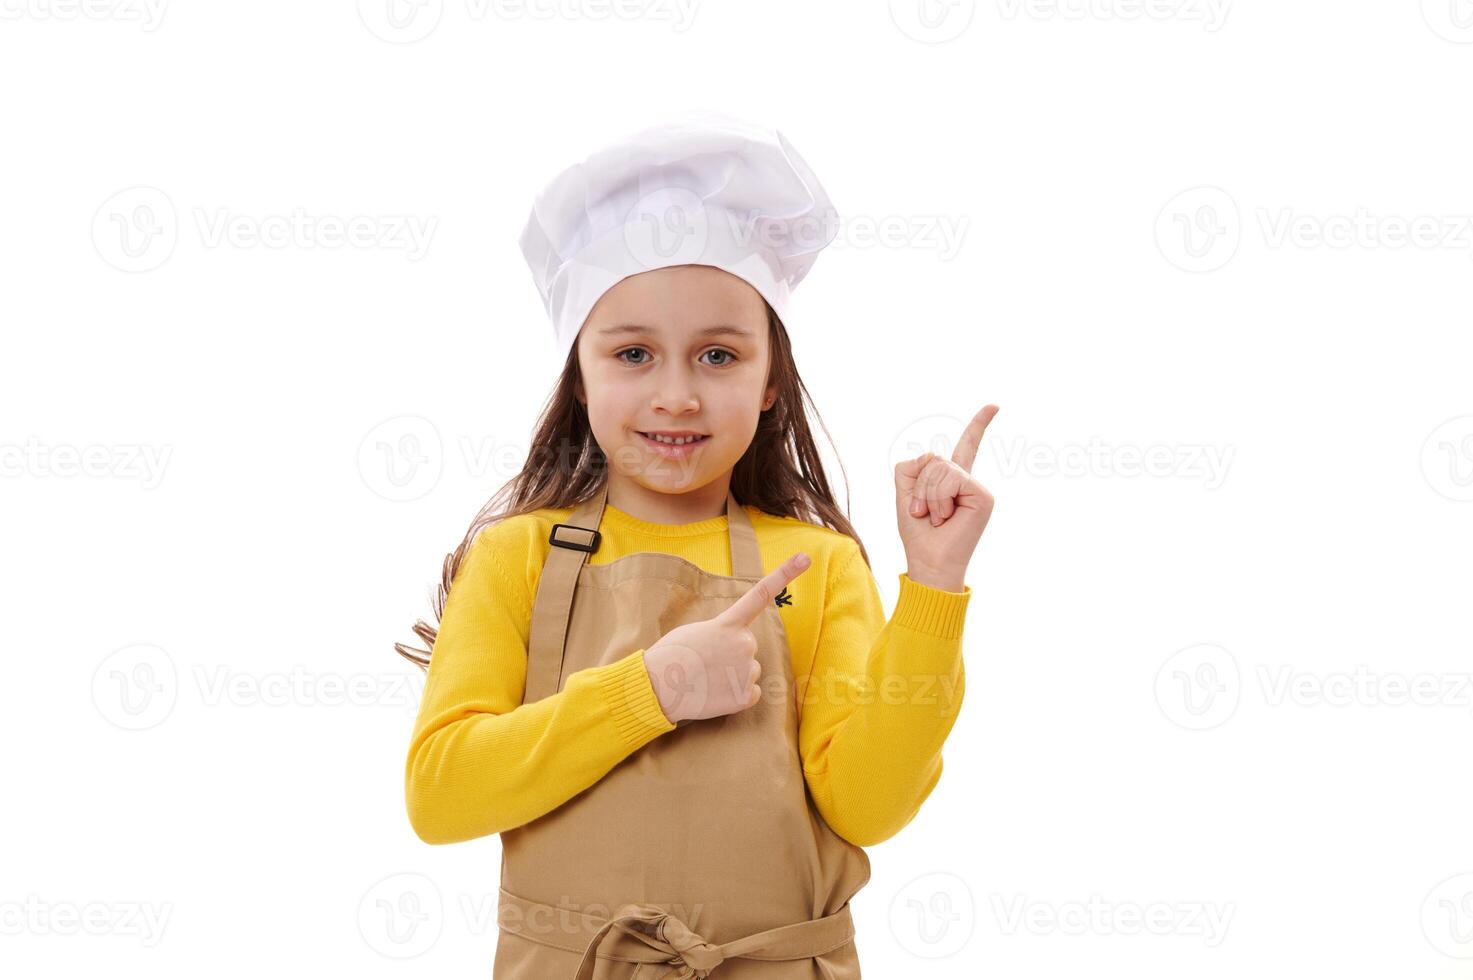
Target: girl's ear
point(769, 397)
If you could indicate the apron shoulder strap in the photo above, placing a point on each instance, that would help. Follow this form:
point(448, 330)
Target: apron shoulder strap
point(571, 544)
point(746, 559)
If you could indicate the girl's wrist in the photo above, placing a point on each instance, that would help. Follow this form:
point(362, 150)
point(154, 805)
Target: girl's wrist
point(946, 581)
point(654, 666)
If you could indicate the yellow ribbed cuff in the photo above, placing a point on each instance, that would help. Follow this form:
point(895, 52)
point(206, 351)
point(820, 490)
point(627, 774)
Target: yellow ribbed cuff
point(631, 699)
point(928, 610)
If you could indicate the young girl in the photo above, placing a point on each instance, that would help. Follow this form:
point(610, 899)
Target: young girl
point(664, 675)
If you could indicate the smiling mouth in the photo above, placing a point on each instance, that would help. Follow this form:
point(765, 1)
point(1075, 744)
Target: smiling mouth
point(667, 441)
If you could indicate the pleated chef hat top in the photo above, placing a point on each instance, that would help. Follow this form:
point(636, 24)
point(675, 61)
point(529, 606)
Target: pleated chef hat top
point(704, 188)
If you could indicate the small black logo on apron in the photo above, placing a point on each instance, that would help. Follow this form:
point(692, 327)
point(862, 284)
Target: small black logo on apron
point(783, 599)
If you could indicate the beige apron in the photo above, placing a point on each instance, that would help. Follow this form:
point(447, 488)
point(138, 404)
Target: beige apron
point(700, 854)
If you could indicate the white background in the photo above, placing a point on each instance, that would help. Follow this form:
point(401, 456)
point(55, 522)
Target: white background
point(1189, 232)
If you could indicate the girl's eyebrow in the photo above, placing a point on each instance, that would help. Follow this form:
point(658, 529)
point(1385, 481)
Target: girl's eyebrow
point(636, 328)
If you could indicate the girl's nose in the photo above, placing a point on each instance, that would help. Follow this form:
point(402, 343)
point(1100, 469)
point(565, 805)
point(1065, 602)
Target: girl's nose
point(675, 396)
point(676, 406)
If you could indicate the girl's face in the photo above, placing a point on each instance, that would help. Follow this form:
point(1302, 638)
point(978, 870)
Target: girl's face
point(678, 349)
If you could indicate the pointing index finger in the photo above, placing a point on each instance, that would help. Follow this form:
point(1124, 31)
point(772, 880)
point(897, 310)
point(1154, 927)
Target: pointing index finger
point(965, 453)
point(751, 603)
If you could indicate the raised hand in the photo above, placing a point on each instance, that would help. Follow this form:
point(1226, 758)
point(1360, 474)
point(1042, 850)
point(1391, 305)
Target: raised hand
point(942, 509)
point(709, 668)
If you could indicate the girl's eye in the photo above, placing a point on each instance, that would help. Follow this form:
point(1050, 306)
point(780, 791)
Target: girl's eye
point(728, 355)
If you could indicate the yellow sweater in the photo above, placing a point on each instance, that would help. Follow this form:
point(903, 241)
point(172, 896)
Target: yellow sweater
point(876, 699)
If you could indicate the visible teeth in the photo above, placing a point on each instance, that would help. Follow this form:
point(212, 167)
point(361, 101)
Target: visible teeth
point(674, 441)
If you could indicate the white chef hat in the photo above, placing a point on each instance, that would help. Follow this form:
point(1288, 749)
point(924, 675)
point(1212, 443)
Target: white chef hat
point(704, 188)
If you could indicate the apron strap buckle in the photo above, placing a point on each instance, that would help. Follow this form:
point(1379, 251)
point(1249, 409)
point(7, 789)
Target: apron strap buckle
point(589, 542)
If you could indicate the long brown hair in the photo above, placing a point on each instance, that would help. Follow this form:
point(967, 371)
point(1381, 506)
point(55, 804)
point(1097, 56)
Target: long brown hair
point(780, 473)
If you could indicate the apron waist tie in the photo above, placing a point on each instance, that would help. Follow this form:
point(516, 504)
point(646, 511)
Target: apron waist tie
point(649, 934)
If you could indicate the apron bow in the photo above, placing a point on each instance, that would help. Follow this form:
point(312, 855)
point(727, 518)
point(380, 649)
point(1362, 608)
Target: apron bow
point(662, 931)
